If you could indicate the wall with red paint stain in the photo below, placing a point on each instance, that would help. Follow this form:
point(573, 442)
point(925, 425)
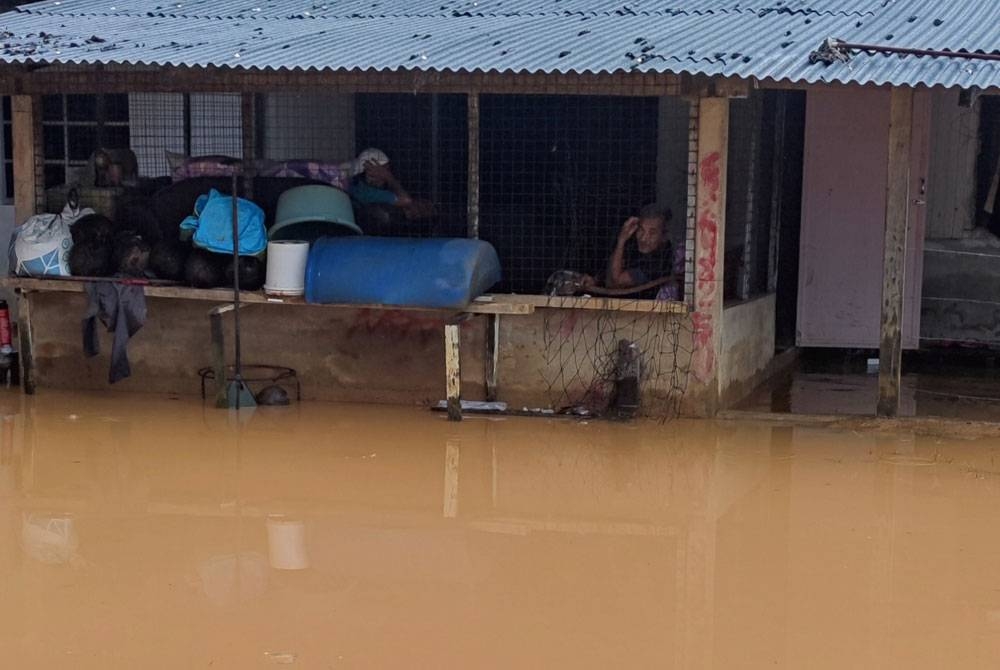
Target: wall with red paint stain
point(708, 272)
point(352, 355)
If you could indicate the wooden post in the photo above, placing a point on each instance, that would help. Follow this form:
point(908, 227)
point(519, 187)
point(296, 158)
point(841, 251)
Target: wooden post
point(26, 347)
point(749, 236)
point(492, 356)
point(27, 158)
point(453, 372)
point(897, 200)
point(218, 354)
point(473, 198)
point(710, 236)
point(777, 189)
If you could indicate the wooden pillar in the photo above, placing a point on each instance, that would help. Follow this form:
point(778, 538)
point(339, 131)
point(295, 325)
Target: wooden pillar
point(26, 129)
point(713, 141)
point(473, 188)
point(492, 356)
point(26, 346)
point(453, 372)
point(897, 200)
point(777, 189)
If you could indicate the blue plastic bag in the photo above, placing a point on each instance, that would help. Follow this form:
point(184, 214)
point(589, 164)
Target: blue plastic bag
point(212, 224)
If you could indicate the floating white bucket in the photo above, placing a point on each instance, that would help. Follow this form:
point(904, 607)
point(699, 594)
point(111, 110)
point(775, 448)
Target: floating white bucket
point(286, 543)
point(286, 267)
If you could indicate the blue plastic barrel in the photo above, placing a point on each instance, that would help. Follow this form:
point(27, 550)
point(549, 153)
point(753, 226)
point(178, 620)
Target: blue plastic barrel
point(441, 273)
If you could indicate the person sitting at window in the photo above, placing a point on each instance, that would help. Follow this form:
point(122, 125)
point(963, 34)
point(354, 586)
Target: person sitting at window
point(643, 254)
point(373, 183)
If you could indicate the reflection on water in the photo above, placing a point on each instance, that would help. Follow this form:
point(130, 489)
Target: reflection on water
point(152, 533)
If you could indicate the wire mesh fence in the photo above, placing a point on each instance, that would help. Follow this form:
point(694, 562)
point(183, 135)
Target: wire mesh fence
point(629, 359)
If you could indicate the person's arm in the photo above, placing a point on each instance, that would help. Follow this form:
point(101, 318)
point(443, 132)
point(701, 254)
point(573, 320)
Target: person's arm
point(385, 175)
point(618, 275)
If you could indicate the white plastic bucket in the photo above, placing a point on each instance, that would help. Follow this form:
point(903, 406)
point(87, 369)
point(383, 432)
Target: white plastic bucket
point(286, 543)
point(286, 267)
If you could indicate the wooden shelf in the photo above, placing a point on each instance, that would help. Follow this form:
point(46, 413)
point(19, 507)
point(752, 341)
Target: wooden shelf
point(153, 290)
point(488, 304)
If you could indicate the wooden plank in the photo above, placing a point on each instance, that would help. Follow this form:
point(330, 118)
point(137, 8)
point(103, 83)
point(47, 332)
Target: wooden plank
point(594, 303)
point(490, 305)
point(894, 252)
point(473, 187)
point(510, 304)
point(26, 348)
point(453, 372)
point(26, 192)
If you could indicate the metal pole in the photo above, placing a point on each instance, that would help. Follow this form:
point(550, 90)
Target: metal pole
point(236, 290)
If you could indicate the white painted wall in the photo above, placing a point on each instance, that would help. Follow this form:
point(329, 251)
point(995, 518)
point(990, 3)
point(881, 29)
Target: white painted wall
point(747, 344)
point(951, 178)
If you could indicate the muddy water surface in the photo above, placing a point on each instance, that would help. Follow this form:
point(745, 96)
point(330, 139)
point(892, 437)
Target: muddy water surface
point(153, 533)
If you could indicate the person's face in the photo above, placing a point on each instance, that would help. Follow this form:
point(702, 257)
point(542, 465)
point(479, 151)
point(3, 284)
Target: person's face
point(376, 175)
point(650, 235)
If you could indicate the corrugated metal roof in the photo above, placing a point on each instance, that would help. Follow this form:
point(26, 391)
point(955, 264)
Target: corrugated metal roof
point(767, 39)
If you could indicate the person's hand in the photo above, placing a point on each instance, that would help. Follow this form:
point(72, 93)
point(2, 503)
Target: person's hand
point(628, 230)
point(380, 174)
point(418, 209)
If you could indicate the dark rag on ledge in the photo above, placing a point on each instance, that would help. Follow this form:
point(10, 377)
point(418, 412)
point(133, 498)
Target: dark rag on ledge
point(122, 309)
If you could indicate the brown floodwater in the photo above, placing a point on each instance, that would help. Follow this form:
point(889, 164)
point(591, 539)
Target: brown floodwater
point(147, 532)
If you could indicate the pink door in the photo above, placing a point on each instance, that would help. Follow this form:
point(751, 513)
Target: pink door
point(843, 218)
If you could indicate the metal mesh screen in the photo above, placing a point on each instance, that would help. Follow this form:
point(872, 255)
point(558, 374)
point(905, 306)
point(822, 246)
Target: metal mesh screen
point(559, 174)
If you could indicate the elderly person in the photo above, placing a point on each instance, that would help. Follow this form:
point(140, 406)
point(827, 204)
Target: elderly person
point(643, 254)
point(373, 183)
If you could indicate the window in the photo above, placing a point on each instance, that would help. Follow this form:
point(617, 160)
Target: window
point(73, 126)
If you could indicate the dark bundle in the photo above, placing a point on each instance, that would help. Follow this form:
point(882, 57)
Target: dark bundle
point(134, 213)
point(92, 228)
point(91, 259)
point(167, 260)
point(204, 269)
point(252, 272)
point(130, 254)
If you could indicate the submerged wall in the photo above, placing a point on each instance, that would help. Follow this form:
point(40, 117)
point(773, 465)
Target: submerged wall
point(547, 359)
point(747, 346)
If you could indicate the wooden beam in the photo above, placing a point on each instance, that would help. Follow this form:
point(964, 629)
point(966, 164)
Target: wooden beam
point(27, 190)
point(897, 201)
point(473, 187)
point(453, 372)
point(490, 305)
point(85, 79)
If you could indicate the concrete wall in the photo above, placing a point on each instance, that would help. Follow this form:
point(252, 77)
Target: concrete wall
point(369, 355)
point(747, 346)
